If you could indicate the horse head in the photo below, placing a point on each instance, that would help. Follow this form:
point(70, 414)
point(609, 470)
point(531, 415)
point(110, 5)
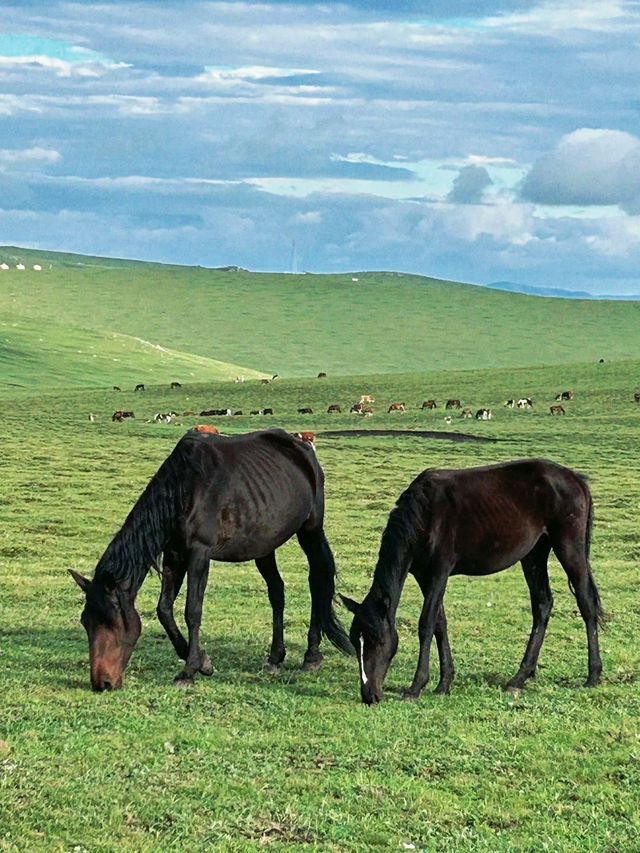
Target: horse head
point(373, 634)
point(113, 627)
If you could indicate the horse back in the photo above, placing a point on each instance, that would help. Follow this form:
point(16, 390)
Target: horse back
point(248, 494)
point(487, 518)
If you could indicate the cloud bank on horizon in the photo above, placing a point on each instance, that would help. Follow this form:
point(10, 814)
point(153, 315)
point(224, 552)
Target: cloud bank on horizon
point(482, 141)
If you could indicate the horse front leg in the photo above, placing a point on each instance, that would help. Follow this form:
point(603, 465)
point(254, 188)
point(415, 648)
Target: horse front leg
point(197, 576)
point(268, 568)
point(174, 567)
point(433, 589)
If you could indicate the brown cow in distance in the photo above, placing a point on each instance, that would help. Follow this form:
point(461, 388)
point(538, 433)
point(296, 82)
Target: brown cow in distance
point(565, 395)
point(207, 428)
point(429, 404)
point(119, 416)
point(356, 409)
point(305, 410)
point(453, 404)
point(333, 409)
point(556, 410)
point(396, 407)
point(308, 436)
point(322, 375)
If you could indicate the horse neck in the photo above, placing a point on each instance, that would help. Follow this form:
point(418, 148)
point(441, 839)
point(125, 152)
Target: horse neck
point(396, 552)
point(388, 581)
point(127, 588)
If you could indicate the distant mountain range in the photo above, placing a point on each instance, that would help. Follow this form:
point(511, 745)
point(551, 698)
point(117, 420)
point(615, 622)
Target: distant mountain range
point(530, 290)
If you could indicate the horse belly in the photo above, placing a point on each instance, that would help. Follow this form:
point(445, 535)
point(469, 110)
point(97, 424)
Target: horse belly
point(497, 554)
point(249, 537)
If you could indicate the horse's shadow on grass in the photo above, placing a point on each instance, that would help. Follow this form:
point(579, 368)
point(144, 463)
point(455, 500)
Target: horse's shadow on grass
point(59, 658)
point(64, 653)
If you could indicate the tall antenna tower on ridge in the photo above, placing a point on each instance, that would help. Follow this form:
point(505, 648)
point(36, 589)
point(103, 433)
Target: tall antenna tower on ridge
point(294, 257)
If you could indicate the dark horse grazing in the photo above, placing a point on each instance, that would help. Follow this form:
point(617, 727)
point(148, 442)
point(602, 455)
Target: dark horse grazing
point(229, 498)
point(476, 521)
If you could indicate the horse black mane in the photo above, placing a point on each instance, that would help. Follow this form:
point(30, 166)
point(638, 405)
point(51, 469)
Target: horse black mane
point(404, 528)
point(135, 549)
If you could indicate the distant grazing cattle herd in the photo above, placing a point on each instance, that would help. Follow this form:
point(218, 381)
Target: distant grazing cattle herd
point(363, 407)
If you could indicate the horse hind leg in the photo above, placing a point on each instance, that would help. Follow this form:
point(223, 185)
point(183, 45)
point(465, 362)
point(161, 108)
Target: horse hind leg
point(268, 568)
point(570, 550)
point(447, 669)
point(534, 566)
point(322, 573)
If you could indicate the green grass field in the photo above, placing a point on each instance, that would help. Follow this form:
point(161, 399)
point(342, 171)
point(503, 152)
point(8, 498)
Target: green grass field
point(245, 761)
point(292, 325)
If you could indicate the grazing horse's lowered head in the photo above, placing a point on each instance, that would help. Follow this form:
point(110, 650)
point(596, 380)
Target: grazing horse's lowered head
point(374, 637)
point(113, 627)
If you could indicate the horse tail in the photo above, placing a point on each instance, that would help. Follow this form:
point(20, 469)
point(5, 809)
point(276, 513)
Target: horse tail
point(151, 522)
point(322, 584)
point(594, 594)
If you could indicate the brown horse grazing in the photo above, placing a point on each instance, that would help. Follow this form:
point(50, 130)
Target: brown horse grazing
point(476, 521)
point(228, 498)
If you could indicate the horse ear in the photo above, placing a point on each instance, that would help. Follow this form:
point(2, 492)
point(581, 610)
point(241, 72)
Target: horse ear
point(82, 582)
point(349, 603)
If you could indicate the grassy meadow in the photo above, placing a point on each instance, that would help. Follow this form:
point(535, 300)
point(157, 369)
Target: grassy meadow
point(294, 325)
point(246, 761)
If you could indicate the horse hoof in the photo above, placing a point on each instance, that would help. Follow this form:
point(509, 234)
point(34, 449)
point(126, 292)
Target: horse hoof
point(513, 689)
point(182, 683)
point(272, 668)
point(311, 665)
point(206, 667)
point(409, 696)
point(592, 682)
point(442, 690)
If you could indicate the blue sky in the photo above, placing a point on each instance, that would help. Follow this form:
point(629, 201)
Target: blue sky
point(479, 141)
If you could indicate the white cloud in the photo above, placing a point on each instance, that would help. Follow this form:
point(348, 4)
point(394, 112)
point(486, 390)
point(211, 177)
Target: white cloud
point(616, 238)
point(312, 217)
point(588, 166)
point(13, 156)
point(504, 222)
point(61, 67)
point(554, 17)
point(253, 72)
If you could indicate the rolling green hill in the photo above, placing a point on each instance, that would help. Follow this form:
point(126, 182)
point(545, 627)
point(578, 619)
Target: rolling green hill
point(294, 325)
point(47, 352)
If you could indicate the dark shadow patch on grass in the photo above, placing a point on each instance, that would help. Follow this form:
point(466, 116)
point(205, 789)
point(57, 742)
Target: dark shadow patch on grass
point(154, 662)
point(419, 433)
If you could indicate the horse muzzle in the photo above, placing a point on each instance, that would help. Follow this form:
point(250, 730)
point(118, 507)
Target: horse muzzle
point(370, 694)
point(102, 682)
